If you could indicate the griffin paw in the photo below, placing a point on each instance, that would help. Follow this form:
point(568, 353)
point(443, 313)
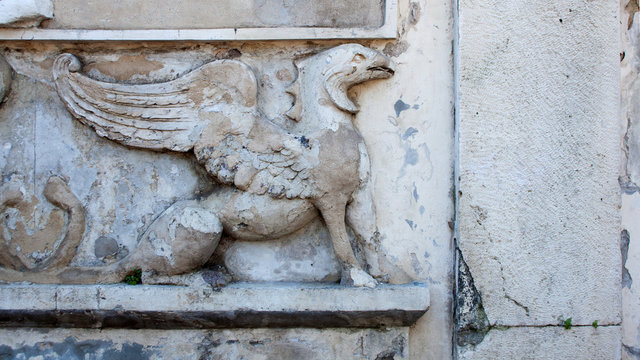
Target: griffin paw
point(357, 277)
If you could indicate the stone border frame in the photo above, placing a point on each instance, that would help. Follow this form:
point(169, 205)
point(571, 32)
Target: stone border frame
point(387, 31)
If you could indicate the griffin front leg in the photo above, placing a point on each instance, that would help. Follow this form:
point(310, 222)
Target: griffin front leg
point(333, 213)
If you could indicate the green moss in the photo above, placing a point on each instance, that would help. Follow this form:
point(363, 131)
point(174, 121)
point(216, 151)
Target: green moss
point(134, 277)
point(567, 324)
point(595, 324)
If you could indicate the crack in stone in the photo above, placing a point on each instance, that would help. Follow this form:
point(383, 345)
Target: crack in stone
point(526, 309)
point(504, 289)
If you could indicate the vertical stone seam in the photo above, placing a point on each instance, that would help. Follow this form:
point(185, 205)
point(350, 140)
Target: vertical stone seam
point(455, 4)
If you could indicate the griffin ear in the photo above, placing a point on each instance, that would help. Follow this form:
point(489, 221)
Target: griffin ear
point(337, 89)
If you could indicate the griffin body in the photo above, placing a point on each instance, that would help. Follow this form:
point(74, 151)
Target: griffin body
point(272, 182)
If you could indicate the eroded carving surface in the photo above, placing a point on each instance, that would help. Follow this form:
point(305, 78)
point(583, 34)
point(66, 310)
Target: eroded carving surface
point(272, 182)
point(16, 266)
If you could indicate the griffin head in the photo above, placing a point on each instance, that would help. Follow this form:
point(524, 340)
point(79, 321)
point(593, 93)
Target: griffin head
point(339, 69)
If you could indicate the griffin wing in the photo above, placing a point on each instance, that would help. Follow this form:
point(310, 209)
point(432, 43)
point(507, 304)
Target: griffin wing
point(161, 116)
point(261, 158)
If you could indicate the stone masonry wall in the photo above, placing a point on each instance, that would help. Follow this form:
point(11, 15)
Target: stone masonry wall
point(538, 195)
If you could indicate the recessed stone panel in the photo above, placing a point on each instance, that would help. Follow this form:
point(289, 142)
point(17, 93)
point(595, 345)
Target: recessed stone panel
point(207, 14)
point(205, 20)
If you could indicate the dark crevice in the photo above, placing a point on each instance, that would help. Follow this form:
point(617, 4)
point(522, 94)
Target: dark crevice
point(470, 320)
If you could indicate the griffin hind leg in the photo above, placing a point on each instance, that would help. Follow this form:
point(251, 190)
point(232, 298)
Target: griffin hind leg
point(333, 213)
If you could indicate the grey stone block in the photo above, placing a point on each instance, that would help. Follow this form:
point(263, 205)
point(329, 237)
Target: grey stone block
point(239, 305)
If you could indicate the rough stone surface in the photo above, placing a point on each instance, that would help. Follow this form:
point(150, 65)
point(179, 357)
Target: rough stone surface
point(308, 252)
point(204, 14)
point(548, 343)
point(538, 201)
point(258, 344)
point(24, 13)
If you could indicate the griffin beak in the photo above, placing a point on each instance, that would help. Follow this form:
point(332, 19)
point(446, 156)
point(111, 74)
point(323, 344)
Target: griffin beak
point(382, 68)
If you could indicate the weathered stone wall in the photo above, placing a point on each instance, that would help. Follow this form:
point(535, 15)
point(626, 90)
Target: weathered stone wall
point(538, 198)
point(540, 267)
point(406, 122)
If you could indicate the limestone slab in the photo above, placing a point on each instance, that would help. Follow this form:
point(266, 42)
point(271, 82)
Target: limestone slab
point(380, 21)
point(538, 200)
point(549, 343)
point(241, 305)
point(163, 14)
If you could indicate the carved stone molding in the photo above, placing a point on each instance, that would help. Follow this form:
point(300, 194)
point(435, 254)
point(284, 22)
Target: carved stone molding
point(240, 305)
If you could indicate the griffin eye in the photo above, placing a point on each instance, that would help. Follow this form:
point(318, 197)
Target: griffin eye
point(358, 58)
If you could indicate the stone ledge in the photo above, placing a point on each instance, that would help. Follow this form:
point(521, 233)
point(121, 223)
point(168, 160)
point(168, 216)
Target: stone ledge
point(239, 305)
point(388, 30)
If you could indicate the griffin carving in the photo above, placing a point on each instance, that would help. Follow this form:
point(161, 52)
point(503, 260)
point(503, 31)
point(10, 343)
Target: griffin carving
point(212, 112)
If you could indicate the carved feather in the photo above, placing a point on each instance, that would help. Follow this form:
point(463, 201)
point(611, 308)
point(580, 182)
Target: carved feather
point(211, 110)
point(162, 116)
point(264, 159)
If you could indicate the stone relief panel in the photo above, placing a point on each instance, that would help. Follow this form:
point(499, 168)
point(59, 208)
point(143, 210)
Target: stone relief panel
point(405, 122)
point(233, 168)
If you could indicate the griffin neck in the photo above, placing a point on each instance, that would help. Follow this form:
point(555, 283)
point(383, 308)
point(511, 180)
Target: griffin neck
point(313, 108)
